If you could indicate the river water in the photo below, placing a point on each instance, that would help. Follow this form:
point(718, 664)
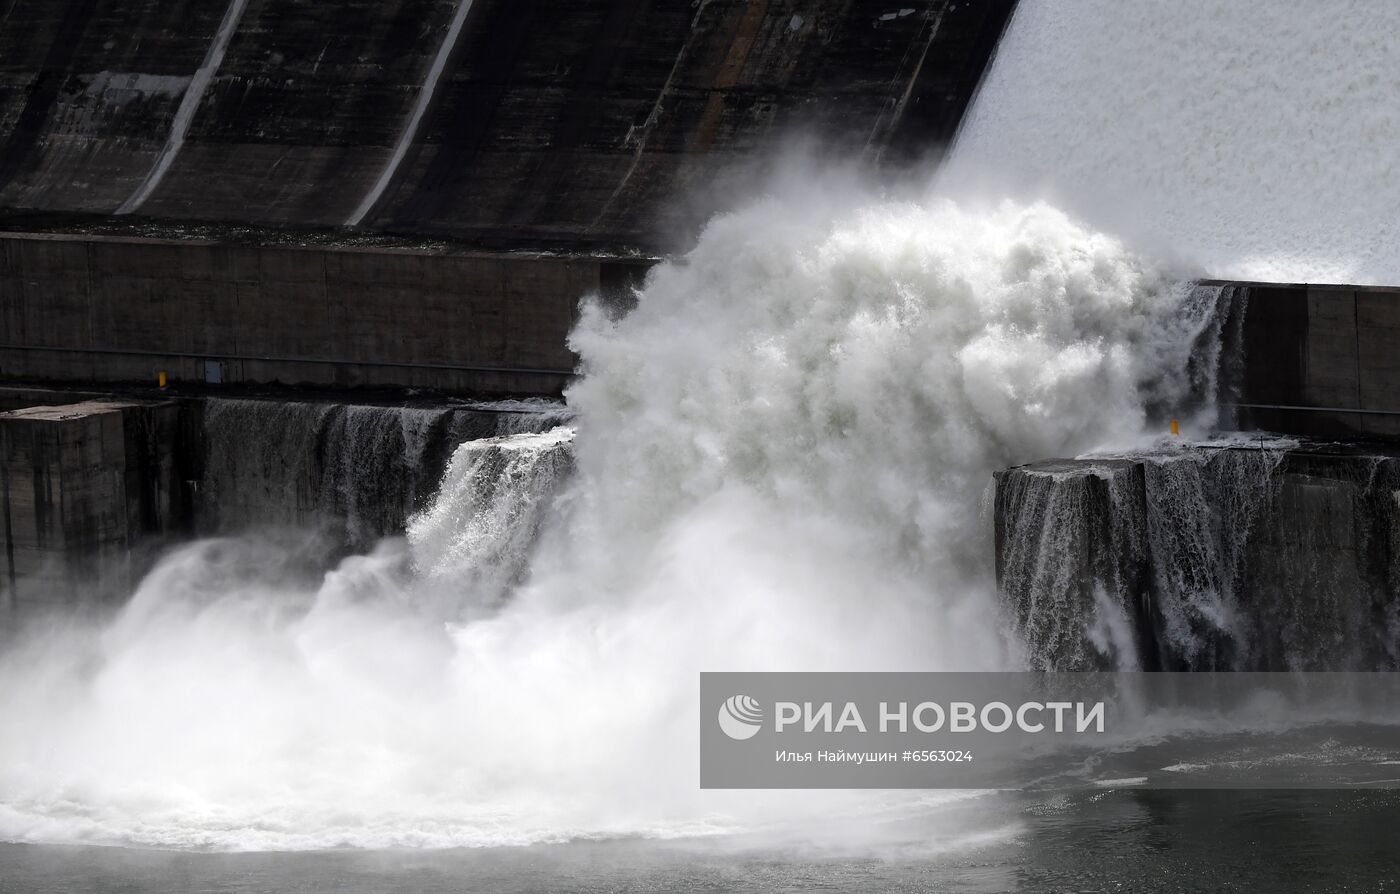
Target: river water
point(1108, 841)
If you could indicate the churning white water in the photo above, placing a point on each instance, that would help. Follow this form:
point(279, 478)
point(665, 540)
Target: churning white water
point(779, 461)
point(1257, 139)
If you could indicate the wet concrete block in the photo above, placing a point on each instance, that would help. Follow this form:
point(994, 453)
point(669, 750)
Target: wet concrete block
point(1288, 562)
point(81, 485)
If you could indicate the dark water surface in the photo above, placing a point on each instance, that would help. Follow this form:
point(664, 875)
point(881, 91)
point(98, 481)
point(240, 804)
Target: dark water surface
point(1112, 840)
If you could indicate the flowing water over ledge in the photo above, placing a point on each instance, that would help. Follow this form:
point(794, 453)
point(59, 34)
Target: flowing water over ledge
point(1250, 554)
point(357, 472)
point(778, 463)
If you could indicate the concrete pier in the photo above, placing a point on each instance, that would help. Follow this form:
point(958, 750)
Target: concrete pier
point(83, 487)
point(1241, 558)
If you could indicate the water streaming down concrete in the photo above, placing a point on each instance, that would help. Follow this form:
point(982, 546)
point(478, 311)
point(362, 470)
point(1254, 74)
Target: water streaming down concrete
point(490, 509)
point(357, 472)
point(1264, 555)
point(93, 491)
point(1254, 556)
point(1251, 140)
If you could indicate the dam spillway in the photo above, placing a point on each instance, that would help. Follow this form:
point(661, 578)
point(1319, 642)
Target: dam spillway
point(373, 204)
point(401, 402)
point(208, 195)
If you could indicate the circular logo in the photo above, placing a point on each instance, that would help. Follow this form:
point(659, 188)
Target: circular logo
point(740, 717)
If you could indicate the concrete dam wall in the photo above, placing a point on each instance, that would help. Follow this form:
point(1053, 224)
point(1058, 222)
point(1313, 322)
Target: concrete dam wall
point(100, 309)
point(1320, 360)
point(499, 121)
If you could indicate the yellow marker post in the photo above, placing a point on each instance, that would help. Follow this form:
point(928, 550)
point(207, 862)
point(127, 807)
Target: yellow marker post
point(1176, 427)
point(160, 376)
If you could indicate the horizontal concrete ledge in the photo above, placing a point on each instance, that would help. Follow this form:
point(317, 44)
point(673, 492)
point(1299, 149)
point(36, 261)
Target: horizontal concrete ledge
point(1252, 283)
point(186, 235)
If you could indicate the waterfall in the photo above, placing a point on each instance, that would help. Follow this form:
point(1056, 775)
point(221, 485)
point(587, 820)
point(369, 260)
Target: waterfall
point(1069, 581)
point(356, 472)
point(478, 533)
point(778, 459)
point(1219, 557)
point(1203, 509)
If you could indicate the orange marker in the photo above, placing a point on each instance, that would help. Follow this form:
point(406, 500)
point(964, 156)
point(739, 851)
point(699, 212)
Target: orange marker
point(1176, 427)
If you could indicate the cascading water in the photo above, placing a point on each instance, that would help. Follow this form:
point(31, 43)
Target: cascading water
point(357, 472)
point(1069, 559)
point(477, 536)
point(778, 453)
point(1255, 139)
point(1202, 511)
point(1243, 556)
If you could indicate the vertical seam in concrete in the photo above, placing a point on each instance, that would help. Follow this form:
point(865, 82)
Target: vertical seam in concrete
point(91, 303)
point(1356, 344)
point(650, 124)
point(325, 291)
point(9, 523)
point(184, 115)
point(908, 88)
point(415, 121)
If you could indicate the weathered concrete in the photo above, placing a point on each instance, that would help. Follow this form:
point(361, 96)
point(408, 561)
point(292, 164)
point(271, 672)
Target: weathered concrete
point(1320, 360)
point(20, 397)
point(592, 122)
point(101, 309)
point(83, 487)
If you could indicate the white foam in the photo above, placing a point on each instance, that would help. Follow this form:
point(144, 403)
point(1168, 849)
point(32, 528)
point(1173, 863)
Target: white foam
point(778, 456)
point(1126, 780)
